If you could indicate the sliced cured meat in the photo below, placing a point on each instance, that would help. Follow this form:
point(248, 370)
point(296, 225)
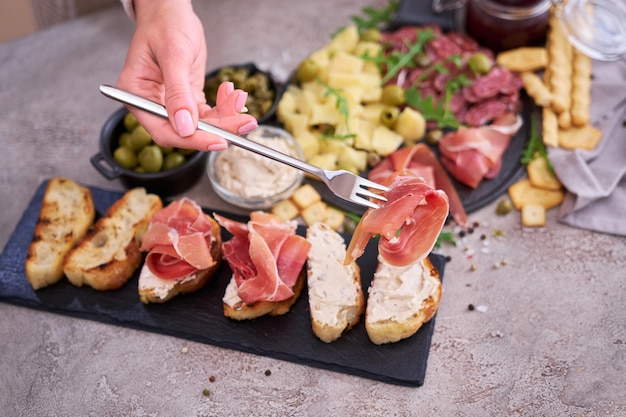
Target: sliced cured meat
point(265, 255)
point(408, 223)
point(484, 112)
point(472, 154)
point(421, 162)
point(178, 240)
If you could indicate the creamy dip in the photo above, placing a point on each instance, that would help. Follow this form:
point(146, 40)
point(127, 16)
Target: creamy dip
point(248, 174)
point(331, 283)
point(398, 292)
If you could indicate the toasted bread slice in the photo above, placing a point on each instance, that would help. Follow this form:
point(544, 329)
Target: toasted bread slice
point(153, 289)
point(109, 254)
point(336, 300)
point(66, 213)
point(236, 309)
point(401, 300)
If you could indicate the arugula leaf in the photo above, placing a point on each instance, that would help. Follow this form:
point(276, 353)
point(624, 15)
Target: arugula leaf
point(438, 113)
point(535, 146)
point(374, 18)
point(445, 237)
point(397, 60)
point(342, 105)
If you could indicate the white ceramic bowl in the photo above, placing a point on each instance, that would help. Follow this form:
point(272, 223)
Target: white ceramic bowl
point(252, 181)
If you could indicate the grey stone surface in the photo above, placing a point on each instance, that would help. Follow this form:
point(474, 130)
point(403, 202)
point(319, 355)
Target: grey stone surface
point(547, 337)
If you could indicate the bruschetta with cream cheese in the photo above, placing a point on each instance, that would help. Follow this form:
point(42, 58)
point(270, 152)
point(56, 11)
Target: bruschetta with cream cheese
point(400, 300)
point(184, 248)
point(336, 300)
point(267, 259)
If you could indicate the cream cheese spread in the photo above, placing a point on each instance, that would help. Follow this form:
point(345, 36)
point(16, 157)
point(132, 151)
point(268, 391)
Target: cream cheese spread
point(158, 286)
point(230, 295)
point(331, 283)
point(398, 292)
point(248, 174)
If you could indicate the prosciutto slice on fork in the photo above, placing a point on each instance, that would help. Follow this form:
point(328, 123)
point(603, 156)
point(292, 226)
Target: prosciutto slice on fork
point(408, 223)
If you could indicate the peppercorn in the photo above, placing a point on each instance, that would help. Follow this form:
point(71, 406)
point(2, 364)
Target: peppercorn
point(470, 307)
point(268, 372)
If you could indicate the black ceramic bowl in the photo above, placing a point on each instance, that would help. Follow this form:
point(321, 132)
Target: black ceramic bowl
point(164, 183)
point(256, 93)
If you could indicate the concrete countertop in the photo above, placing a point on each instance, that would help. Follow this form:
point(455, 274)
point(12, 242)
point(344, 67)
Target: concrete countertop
point(547, 336)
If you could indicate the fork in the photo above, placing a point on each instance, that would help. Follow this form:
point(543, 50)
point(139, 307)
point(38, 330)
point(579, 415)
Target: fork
point(343, 184)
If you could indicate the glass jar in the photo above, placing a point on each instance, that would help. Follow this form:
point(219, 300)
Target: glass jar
point(507, 24)
point(595, 27)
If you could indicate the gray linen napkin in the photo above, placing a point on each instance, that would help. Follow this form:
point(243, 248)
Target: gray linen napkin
point(596, 180)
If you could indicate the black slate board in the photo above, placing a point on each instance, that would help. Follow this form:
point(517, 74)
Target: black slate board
point(199, 316)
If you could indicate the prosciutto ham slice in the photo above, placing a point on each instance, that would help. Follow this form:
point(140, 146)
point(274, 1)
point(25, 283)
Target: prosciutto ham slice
point(472, 154)
point(265, 255)
point(420, 160)
point(408, 223)
point(178, 240)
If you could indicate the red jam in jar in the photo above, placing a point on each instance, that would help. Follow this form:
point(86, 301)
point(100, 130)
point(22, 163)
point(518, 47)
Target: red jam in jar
point(507, 24)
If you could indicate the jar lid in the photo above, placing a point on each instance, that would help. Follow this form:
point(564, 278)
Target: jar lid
point(595, 27)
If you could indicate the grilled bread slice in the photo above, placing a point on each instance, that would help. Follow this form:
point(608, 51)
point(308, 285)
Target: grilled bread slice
point(153, 289)
point(336, 300)
point(236, 309)
point(400, 300)
point(66, 213)
point(109, 254)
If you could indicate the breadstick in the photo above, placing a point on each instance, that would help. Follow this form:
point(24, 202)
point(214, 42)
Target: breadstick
point(536, 89)
point(560, 66)
point(550, 127)
point(581, 89)
point(565, 120)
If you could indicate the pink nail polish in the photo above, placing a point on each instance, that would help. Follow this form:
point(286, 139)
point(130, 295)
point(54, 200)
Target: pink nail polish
point(241, 101)
point(217, 147)
point(184, 123)
point(248, 127)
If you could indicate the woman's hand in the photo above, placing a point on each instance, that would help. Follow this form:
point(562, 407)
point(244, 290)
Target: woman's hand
point(166, 63)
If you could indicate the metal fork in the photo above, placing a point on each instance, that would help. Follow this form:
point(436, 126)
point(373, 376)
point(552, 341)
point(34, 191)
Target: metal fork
point(344, 184)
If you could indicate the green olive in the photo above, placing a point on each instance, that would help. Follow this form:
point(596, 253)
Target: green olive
point(173, 160)
point(130, 121)
point(167, 149)
point(479, 63)
point(139, 138)
point(125, 140)
point(389, 116)
point(307, 70)
point(370, 35)
point(393, 95)
point(151, 158)
point(125, 157)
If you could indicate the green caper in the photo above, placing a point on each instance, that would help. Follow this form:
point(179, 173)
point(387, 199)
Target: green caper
point(173, 160)
point(130, 121)
point(479, 63)
point(393, 95)
point(389, 116)
point(370, 35)
point(504, 207)
point(422, 60)
point(307, 70)
point(125, 157)
point(433, 137)
point(151, 158)
point(139, 138)
point(125, 140)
